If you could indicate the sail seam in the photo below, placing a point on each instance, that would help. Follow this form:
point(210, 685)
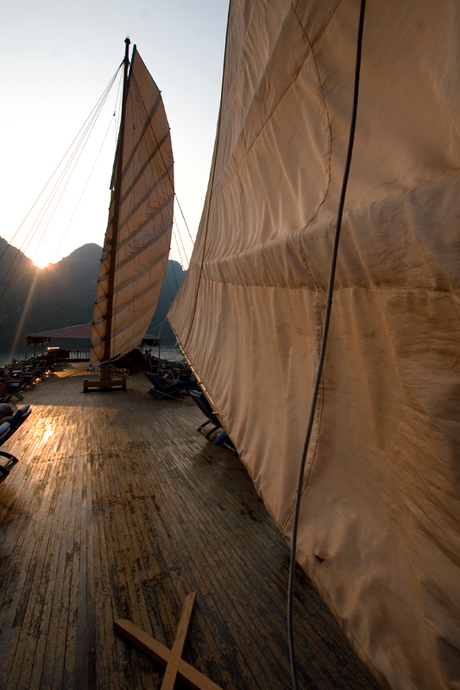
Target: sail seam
point(137, 296)
point(125, 326)
point(132, 236)
point(144, 129)
point(139, 229)
point(326, 110)
point(139, 334)
point(228, 174)
point(146, 196)
point(125, 284)
point(144, 167)
point(338, 290)
point(326, 24)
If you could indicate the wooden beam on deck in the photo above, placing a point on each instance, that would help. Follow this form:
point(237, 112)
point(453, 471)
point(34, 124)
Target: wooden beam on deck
point(175, 665)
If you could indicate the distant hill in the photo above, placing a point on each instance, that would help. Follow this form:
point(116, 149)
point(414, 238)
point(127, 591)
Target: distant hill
point(65, 291)
point(18, 276)
point(62, 294)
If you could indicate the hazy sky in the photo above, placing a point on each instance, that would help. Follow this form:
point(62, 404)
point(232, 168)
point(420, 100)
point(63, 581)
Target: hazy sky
point(57, 58)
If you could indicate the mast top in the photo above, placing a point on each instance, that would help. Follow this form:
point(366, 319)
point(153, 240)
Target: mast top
point(127, 44)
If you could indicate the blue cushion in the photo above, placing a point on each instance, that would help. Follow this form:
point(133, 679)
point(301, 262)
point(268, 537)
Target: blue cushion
point(205, 402)
point(18, 415)
point(4, 428)
point(221, 439)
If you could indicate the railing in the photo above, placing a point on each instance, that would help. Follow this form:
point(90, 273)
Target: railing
point(79, 355)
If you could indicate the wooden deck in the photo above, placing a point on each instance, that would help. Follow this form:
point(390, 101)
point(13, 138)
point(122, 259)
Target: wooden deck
point(118, 508)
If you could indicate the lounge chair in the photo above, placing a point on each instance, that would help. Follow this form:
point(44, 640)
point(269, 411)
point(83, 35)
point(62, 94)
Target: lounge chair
point(7, 429)
point(224, 441)
point(161, 388)
point(17, 385)
point(30, 376)
point(201, 400)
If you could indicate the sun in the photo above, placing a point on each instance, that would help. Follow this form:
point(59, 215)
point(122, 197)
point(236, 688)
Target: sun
point(40, 260)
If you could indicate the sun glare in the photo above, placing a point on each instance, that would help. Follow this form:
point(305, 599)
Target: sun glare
point(41, 262)
point(41, 257)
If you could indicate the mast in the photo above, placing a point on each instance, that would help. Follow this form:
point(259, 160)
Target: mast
point(116, 211)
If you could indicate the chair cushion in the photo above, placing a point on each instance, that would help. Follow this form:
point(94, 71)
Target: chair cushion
point(4, 428)
point(221, 439)
point(19, 414)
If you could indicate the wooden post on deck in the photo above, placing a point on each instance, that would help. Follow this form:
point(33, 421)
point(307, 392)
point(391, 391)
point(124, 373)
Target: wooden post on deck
point(106, 380)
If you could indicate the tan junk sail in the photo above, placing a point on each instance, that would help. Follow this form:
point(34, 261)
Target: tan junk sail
point(379, 530)
point(145, 220)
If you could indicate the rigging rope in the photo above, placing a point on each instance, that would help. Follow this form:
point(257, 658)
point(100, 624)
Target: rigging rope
point(184, 219)
point(83, 192)
point(175, 235)
point(69, 161)
point(323, 348)
point(92, 117)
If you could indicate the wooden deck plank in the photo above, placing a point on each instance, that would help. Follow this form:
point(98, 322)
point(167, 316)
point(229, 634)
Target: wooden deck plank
point(117, 509)
point(119, 659)
point(230, 607)
point(55, 639)
point(222, 561)
point(29, 592)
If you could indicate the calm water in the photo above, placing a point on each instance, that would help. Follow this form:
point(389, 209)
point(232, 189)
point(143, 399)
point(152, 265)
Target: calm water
point(171, 353)
point(6, 357)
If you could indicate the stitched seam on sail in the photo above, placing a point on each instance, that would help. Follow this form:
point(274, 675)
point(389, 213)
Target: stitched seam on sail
point(220, 186)
point(120, 309)
point(146, 222)
point(326, 25)
point(125, 284)
point(138, 229)
point(152, 242)
point(145, 197)
point(144, 167)
point(144, 129)
point(217, 188)
point(329, 126)
point(122, 328)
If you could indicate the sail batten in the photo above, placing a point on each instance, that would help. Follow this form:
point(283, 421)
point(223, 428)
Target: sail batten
point(148, 162)
point(156, 231)
point(142, 245)
point(144, 220)
point(162, 258)
point(141, 141)
point(160, 181)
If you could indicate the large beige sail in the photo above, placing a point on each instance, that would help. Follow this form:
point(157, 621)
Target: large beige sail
point(379, 530)
point(145, 220)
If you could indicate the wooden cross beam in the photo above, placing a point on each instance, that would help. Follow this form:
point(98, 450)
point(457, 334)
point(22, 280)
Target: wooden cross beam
point(171, 658)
